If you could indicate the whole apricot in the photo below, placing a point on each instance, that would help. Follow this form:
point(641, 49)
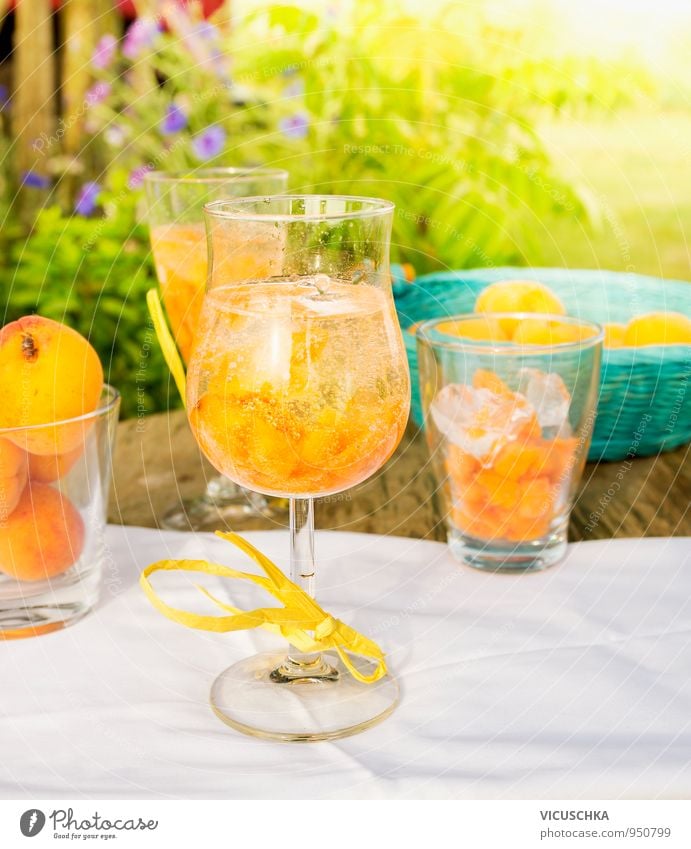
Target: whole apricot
point(12, 477)
point(47, 468)
point(42, 537)
point(659, 328)
point(49, 373)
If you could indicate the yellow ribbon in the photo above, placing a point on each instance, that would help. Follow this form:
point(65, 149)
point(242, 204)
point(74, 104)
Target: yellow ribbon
point(300, 613)
point(166, 341)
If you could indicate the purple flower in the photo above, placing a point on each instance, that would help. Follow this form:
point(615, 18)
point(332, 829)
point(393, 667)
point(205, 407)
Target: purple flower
point(98, 93)
point(207, 30)
point(140, 35)
point(86, 199)
point(4, 97)
point(174, 121)
point(294, 89)
point(136, 177)
point(34, 180)
point(104, 52)
point(210, 143)
point(294, 127)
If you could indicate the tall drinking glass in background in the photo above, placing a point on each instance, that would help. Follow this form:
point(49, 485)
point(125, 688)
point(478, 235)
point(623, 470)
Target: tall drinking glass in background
point(178, 241)
point(508, 427)
point(298, 387)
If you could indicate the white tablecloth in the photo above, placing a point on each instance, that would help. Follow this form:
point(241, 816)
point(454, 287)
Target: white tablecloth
point(569, 683)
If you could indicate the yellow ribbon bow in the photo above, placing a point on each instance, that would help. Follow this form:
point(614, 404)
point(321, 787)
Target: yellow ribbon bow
point(300, 613)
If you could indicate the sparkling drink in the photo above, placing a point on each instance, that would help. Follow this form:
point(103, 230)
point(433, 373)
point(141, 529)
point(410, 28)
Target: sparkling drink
point(180, 257)
point(178, 242)
point(296, 387)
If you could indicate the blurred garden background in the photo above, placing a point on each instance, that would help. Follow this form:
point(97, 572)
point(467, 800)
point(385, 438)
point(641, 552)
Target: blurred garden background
point(527, 132)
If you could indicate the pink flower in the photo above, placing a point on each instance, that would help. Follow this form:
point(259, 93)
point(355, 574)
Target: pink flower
point(136, 177)
point(140, 35)
point(104, 52)
point(98, 93)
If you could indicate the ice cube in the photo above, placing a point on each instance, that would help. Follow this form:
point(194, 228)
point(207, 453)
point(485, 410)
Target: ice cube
point(480, 421)
point(547, 393)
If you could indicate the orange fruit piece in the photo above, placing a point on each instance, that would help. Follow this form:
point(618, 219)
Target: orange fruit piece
point(501, 491)
point(486, 329)
point(536, 499)
point(614, 335)
point(462, 467)
point(517, 459)
point(558, 459)
point(658, 328)
point(42, 537)
point(483, 524)
point(486, 379)
point(518, 296)
point(49, 373)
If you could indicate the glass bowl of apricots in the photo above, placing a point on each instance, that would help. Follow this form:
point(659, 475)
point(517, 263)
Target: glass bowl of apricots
point(644, 406)
point(57, 426)
point(508, 421)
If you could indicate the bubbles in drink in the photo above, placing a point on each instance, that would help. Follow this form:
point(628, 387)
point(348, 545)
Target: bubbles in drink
point(296, 385)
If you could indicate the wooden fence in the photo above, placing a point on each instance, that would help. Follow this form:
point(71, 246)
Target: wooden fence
point(49, 75)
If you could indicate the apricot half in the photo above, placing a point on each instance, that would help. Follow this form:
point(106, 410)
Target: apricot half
point(484, 328)
point(614, 335)
point(42, 537)
point(542, 331)
point(518, 296)
point(658, 328)
point(48, 373)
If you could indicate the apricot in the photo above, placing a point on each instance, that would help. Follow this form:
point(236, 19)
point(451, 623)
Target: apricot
point(49, 373)
point(485, 329)
point(658, 328)
point(47, 468)
point(614, 335)
point(13, 468)
point(518, 296)
point(42, 537)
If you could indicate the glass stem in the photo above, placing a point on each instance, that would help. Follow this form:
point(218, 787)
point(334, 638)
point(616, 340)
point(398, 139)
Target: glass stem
point(302, 569)
point(302, 544)
point(303, 667)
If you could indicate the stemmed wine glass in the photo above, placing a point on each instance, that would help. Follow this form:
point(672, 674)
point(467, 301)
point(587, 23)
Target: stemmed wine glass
point(178, 241)
point(298, 387)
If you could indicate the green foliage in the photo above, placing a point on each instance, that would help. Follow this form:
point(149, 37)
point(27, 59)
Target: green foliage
point(437, 115)
point(92, 274)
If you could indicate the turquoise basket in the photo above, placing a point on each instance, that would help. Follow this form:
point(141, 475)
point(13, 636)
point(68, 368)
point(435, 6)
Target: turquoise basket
point(644, 405)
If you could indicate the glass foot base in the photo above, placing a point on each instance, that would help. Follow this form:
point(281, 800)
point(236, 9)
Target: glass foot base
point(35, 621)
point(256, 697)
point(226, 508)
point(511, 558)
